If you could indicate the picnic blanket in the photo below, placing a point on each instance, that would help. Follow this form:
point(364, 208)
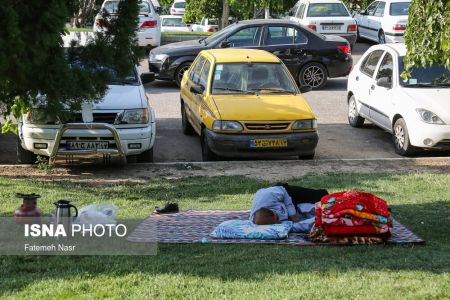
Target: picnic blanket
point(193, 226)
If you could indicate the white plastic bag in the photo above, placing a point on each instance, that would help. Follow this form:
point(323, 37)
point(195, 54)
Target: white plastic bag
point(98, 213)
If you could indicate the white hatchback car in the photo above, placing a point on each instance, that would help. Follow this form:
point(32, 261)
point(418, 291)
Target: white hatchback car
point(171, 23)
point(383, 21)
point(326, 17)
point(178, 7)
point(121, 124)
point(416, 111)
point(149, 26)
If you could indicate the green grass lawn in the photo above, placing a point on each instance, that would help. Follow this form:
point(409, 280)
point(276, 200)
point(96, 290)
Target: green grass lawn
point(419, 201)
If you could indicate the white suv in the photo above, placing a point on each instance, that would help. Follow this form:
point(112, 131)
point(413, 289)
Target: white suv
point(325, 17)
point(122, 124)
point(383, 21)
point(149, 26)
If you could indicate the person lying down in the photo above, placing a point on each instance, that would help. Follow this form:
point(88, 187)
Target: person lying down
point(283, 202)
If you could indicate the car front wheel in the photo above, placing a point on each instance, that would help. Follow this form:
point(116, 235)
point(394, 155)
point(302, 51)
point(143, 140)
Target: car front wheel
point(353, 116)
point(401, 139)
point(24, 156)
point(180, 72)
point(207, 154)
point(313, 75)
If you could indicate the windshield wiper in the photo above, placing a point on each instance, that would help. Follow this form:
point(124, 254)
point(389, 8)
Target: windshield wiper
point(427, 85)
point(275, 90)
point(234, 90)
point(124, 82)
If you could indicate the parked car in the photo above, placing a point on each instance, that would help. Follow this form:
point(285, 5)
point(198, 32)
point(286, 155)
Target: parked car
point(209, 25)
point(170, 23)
point(415, 110)
point(310, 57)
point(383, 21)
point(246, 104)
point(178, 7)
point(122, 124)
point(149, 30)
point(325, 17)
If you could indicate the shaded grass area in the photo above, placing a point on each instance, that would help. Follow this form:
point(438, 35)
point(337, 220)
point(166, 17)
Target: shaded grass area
point(74, 29)
point(419, 201)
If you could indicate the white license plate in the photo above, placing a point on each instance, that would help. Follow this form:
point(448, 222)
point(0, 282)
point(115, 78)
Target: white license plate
point(87, 145)
point(331, 27)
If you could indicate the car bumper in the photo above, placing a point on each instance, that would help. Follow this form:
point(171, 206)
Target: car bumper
point(149, 37)
point(394, 37)
point(162, 70)
point(341, 66)
point(238, 145)
point(32, 134)
point(438, 134)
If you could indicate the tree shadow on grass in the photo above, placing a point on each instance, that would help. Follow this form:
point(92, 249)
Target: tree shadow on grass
point(426, 213)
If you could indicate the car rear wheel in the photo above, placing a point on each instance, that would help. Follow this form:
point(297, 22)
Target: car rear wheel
point(353, 116)
point(207, 154)
point(24, 156)
point(313, 75)
point(180, 72)
point(146, 156)
point(401, 139)
point(185, 125)
point(381, 37)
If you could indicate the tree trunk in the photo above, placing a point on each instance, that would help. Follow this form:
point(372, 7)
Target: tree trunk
point(225, 14)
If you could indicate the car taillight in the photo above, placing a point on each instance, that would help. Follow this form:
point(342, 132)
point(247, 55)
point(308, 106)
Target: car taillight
point(399, 27)
point(149, 24)
point(174, 10)
point(352, 28)
point(312, 27)
point(210, 29)
point(346, 49)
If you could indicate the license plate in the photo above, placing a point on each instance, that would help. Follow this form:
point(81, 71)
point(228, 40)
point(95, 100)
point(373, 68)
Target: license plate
point(88, 145)
point(331, 27)
point(268, 143)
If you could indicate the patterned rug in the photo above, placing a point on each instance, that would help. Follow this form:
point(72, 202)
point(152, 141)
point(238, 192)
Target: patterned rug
point(193, 226)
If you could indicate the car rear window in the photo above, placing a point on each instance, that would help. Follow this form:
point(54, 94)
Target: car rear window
point(173, 22)
point(179, 4)
point(327, 10)
point(399, 9)
point(111, 7)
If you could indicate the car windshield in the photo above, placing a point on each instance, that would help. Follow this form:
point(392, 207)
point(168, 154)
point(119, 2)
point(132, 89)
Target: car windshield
point(249, 78)
point(327, 10)
point(179, 4)
point(173, 22)
point(431, 76)
point(130, 78)
point(219, 35)
point(399, 9)
point(112, 7)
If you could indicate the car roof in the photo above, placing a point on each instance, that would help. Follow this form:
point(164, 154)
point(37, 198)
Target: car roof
point(238, 55)
point(267, 22)
point(320, 1)
point(400, 48)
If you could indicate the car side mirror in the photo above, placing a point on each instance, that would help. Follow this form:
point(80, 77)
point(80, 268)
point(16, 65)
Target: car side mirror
point(225, 44)
point(147, 77)
point(197, 89)
point(363, 12)
point(305, 89)
point(385, 82)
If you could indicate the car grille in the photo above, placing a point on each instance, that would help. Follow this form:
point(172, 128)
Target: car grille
point(268, 126)
point(98, 118)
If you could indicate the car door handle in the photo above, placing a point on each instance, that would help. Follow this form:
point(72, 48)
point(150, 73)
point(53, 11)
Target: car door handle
point(297, 51)
point(357, 78)
point(372, 87)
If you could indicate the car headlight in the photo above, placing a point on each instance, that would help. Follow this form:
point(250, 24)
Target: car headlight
point(429, 117)
point(39, 116)
point(132, 116)
point(160, 58)
point(305, 124)
point(227, 126)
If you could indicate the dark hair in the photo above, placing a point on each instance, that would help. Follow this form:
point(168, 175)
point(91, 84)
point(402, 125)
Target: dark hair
point(265, 212)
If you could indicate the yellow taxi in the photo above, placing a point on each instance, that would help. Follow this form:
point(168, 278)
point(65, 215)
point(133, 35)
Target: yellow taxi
point(244, 103)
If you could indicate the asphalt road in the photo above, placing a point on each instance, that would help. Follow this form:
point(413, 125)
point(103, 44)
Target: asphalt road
point(337, 139)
